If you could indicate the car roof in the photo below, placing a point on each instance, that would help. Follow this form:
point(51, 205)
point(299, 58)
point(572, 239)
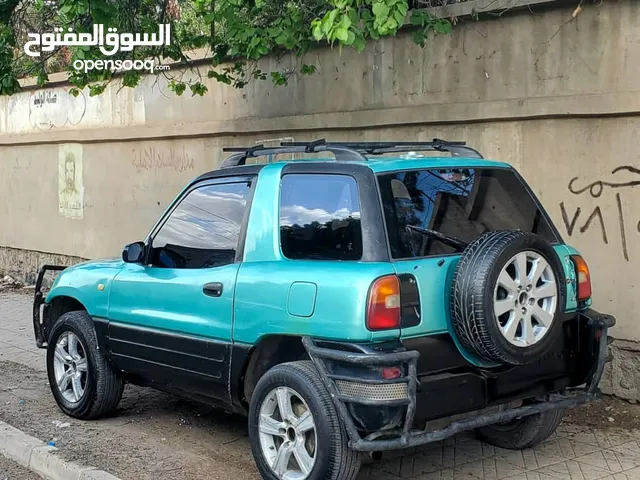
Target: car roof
point(387, 164)
point(376, 164)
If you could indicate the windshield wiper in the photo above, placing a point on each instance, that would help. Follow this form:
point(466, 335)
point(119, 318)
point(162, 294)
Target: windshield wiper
point(446, 239)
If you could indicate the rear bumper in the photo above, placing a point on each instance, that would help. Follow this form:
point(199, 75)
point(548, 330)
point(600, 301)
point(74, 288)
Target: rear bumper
point(402, 394)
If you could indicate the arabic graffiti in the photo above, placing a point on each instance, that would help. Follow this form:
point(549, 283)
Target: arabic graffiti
point(123, 42)
point(49, 109)
point(152, 158)
point(595, 190)
point(41, 98)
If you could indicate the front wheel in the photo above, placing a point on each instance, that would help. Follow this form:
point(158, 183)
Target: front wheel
point(522, 433)
point(294, 429)
point(83, 383)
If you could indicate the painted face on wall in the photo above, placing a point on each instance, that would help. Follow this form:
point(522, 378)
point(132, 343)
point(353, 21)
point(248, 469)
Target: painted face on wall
point(70, 172)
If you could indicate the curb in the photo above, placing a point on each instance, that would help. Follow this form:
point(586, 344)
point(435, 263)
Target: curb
point(40, 458)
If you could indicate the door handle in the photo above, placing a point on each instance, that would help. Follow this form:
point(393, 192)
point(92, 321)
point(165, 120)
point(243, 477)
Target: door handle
point(213, 289)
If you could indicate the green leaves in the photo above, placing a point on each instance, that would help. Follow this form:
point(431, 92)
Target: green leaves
point(131, 78)
point(443, 26)
point(198, 88)
point(97, 89)
point(42, 78)
point(238, 33)
point(427, 22)
point(308, 69)
point(177, 87)
point(352, 22)
point(279, 78)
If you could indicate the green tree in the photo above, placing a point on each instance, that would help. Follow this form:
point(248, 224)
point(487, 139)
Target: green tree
point(235, 34)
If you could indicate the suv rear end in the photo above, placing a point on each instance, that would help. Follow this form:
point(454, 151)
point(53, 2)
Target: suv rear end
point(454, 230)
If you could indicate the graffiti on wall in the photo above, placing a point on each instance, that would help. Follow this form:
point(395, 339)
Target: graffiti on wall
point(54, 109)
point(70, 184)
point(152, 158)
point(624, 177)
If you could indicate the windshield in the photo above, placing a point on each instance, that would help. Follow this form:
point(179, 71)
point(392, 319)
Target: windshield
point(457, 203)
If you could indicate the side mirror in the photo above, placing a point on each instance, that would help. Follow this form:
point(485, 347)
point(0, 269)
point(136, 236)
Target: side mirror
point(133, 252)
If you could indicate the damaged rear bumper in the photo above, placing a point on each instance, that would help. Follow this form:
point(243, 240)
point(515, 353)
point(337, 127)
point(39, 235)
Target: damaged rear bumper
point(400, 394)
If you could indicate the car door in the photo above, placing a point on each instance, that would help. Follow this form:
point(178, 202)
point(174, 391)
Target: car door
point(170, 318)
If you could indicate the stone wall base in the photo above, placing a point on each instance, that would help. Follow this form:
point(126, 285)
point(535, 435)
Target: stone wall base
point(23, 265)
point(622, 376)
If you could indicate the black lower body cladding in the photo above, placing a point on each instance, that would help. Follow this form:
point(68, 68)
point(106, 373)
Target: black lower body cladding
point(508, 297)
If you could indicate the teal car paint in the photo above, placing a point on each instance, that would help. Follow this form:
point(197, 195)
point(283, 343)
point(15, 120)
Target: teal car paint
point(418, 289)
point(89, 283)
point(262, 297)
point(403, 164)
point(435, 277)
point(301, 300)
point(262, 245)
point(565, 252)
point(171, 299)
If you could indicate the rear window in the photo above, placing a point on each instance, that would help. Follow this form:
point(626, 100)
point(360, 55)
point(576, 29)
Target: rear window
point(320, 217)
point(461, 203)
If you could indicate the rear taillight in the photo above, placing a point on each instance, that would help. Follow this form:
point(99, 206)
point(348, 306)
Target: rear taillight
point(383, 306)
point(583, 278)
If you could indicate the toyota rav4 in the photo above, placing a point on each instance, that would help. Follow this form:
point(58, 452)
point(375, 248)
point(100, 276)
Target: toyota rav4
point(356, 297)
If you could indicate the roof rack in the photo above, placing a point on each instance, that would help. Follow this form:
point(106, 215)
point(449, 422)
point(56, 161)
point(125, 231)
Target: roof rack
point(342, 153)
point(347, 151)
point(379, 148)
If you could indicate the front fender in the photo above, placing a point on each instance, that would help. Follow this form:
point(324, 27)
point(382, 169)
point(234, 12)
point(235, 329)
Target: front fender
point(88, 283)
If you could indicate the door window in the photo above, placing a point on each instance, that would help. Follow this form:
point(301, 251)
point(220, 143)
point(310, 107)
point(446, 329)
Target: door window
point(204, 229)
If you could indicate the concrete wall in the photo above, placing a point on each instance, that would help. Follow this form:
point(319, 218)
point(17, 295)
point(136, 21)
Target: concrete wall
point(560, 101)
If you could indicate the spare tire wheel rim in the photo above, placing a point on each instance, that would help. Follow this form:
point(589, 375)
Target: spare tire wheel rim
point(288, 437)
point(525, 299)
point(70, 367)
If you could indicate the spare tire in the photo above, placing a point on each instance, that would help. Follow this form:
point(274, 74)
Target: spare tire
point(508, 297)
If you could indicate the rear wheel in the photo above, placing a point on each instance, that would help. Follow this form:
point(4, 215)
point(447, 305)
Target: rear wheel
point(522, 433)
point(294, 429)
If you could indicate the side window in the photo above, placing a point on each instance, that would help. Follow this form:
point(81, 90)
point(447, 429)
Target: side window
point(320, 217)
point(204, 229)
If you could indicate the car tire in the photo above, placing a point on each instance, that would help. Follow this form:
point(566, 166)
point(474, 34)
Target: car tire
point(82, 381)
point(522, 433)
point(298, 385)
point(487, 280)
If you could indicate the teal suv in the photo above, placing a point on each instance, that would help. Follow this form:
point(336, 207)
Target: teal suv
point(357, 297)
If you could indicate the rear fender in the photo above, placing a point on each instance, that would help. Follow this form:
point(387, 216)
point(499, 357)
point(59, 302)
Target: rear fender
point(564, 253)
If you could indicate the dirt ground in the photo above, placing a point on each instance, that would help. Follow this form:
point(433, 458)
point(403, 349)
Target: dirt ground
point(169, 438)
point(153, 435)
point(608, 413)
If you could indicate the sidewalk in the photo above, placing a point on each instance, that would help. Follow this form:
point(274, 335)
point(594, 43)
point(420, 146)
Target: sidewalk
point(16, 330)
point(158, 436)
